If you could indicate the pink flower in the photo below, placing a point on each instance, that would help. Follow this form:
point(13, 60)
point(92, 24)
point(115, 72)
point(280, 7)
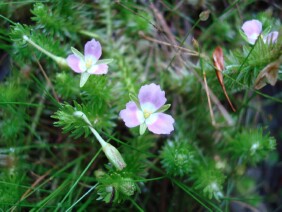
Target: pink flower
point(271, 37)
point(253, 29)
point(88, 63)
point(146, 111)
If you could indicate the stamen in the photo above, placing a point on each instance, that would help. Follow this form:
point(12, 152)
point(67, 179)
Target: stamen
point(146, 114)
point(88, 63)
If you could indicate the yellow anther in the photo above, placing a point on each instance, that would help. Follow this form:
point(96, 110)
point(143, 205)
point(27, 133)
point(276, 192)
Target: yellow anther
point(146, 114)
point(88, 63)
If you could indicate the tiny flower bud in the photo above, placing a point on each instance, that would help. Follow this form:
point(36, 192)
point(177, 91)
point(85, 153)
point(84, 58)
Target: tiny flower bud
point(99, 173)
point(61, 61)
point(109, 189)
point(25, 37)
point(110, 151)
point(114, 156)
point(204, 15)
point(127, 187)
point(195, 43)
point(240, 170)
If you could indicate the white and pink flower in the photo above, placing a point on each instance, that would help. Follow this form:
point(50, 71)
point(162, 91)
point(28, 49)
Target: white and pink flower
point(88, 63)
point(147, 111)
point(253, 29)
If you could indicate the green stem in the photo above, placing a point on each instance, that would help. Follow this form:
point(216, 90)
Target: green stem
point(61, 61)
point(110, 151)
point(182, 43)
point(80, 176)
point(97, 135)
point(84, 195)
point(37, 116)
point(109, 20)
point(90, 34)
point(99, 138)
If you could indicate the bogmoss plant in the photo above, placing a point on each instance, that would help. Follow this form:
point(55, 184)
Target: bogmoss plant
point(65, 85)
point(209, 180)
point(251, 145)
point(13, 113)
point(178, 157)
point(114, 187)
point(60, 108)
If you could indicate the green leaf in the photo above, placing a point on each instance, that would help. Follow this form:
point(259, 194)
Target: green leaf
point(163, 108)
point(243, 35)
point(70, 123)
point(105, 61)
point(134, 98)
point(84, 78)
point(142, 128)
point(77, 53)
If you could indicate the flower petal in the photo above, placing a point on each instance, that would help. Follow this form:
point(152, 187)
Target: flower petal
point(131, 115)
point(151, 97)
point(271, 37)
point(93, 49)
point(160, 123)
point(98, 69)
point(252, 29)
point(75, 63)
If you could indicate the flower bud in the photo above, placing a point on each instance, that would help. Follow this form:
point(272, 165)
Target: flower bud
point(195, 43)
point(127, 187)
point(114, 156)
point(110, 151)
point(99, 173)
point(204, 15)
point(178, 157)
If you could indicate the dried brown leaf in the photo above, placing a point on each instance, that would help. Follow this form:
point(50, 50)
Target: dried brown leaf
point(268, 75)
point(218, 62)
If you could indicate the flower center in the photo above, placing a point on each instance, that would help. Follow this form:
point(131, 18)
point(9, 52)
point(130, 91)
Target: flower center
point(88, 63)
point(146, 114)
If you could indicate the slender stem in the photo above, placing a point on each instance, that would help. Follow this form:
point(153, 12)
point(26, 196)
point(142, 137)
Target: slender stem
point(207, 89)
point(49, 83)
point(37, 116)
point(136, 205)
point(88, 33)
point(99, 138)
point(7, 19)
point(109, 20)
point(209, 100)
point(80, 176)
point(97, 135)
point(84, 195)
point(189, 51)
point(182, 42)
point(245, 60)
point(110, 151)
point(61, 61)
